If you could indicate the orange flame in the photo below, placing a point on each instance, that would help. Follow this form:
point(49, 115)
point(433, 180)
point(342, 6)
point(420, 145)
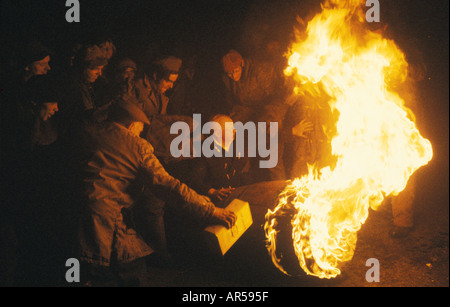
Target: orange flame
point(377, 144)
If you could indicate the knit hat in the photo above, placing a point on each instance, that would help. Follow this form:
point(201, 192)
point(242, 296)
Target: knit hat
point(170, 64)
point(95, 55)
point(231, 61)
point(34, 51)
point(108, 49)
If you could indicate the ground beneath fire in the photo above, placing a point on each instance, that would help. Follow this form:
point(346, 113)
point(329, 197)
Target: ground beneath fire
point(420, 260)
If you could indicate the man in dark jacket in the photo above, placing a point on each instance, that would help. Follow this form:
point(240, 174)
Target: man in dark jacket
point(81, 102)
point(120, 164)
point(254, 92)
point(224, 173)
point(254, 89)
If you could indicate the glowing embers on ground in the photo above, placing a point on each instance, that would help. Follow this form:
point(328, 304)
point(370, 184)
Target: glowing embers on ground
point(377, 145)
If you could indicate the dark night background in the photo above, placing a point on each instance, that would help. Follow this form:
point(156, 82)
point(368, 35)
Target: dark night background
point(209, 28)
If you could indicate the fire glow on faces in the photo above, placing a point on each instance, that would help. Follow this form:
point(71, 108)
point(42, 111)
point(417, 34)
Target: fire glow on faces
point(40, 67)
point(92, 73)
point(47, 110)
point(166, 84)
point(377, 145)
point(236, 74)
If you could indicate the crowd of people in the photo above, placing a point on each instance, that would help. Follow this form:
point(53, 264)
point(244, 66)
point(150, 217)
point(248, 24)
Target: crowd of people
point(86, 165)
point(86, 159)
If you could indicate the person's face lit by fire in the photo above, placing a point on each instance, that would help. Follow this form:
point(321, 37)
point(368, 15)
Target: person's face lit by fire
point(127, 74)
point(92, 73)
point(40, 67)
point(147, 86)
point(235, 74)
point(166, 84)
point(229, 130)
point(47, 110)
point(226, 127)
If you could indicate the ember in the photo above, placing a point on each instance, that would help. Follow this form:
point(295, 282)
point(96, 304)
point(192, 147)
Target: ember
point(377, 144)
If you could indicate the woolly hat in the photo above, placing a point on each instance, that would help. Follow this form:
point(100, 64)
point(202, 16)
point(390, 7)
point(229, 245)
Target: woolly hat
point(34, 51)
point(231, 61)
point(98, 54)
point(170, 64)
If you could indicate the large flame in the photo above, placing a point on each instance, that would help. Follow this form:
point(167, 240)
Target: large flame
point(377, 144)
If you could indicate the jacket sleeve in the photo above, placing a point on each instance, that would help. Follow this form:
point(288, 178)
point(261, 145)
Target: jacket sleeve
point(228, 98)
point(199, 179)
point(275, 106)
point(155, 174)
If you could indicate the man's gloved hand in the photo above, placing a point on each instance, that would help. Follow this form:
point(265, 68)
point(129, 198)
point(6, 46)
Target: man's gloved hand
point(223, 217)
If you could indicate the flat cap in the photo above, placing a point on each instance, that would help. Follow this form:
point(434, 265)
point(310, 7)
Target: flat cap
point(126, 63)
point(130, 109)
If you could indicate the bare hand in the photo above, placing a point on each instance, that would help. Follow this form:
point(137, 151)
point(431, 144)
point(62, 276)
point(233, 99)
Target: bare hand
point(221, 193)
point(302, 127)
point(223, 217)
